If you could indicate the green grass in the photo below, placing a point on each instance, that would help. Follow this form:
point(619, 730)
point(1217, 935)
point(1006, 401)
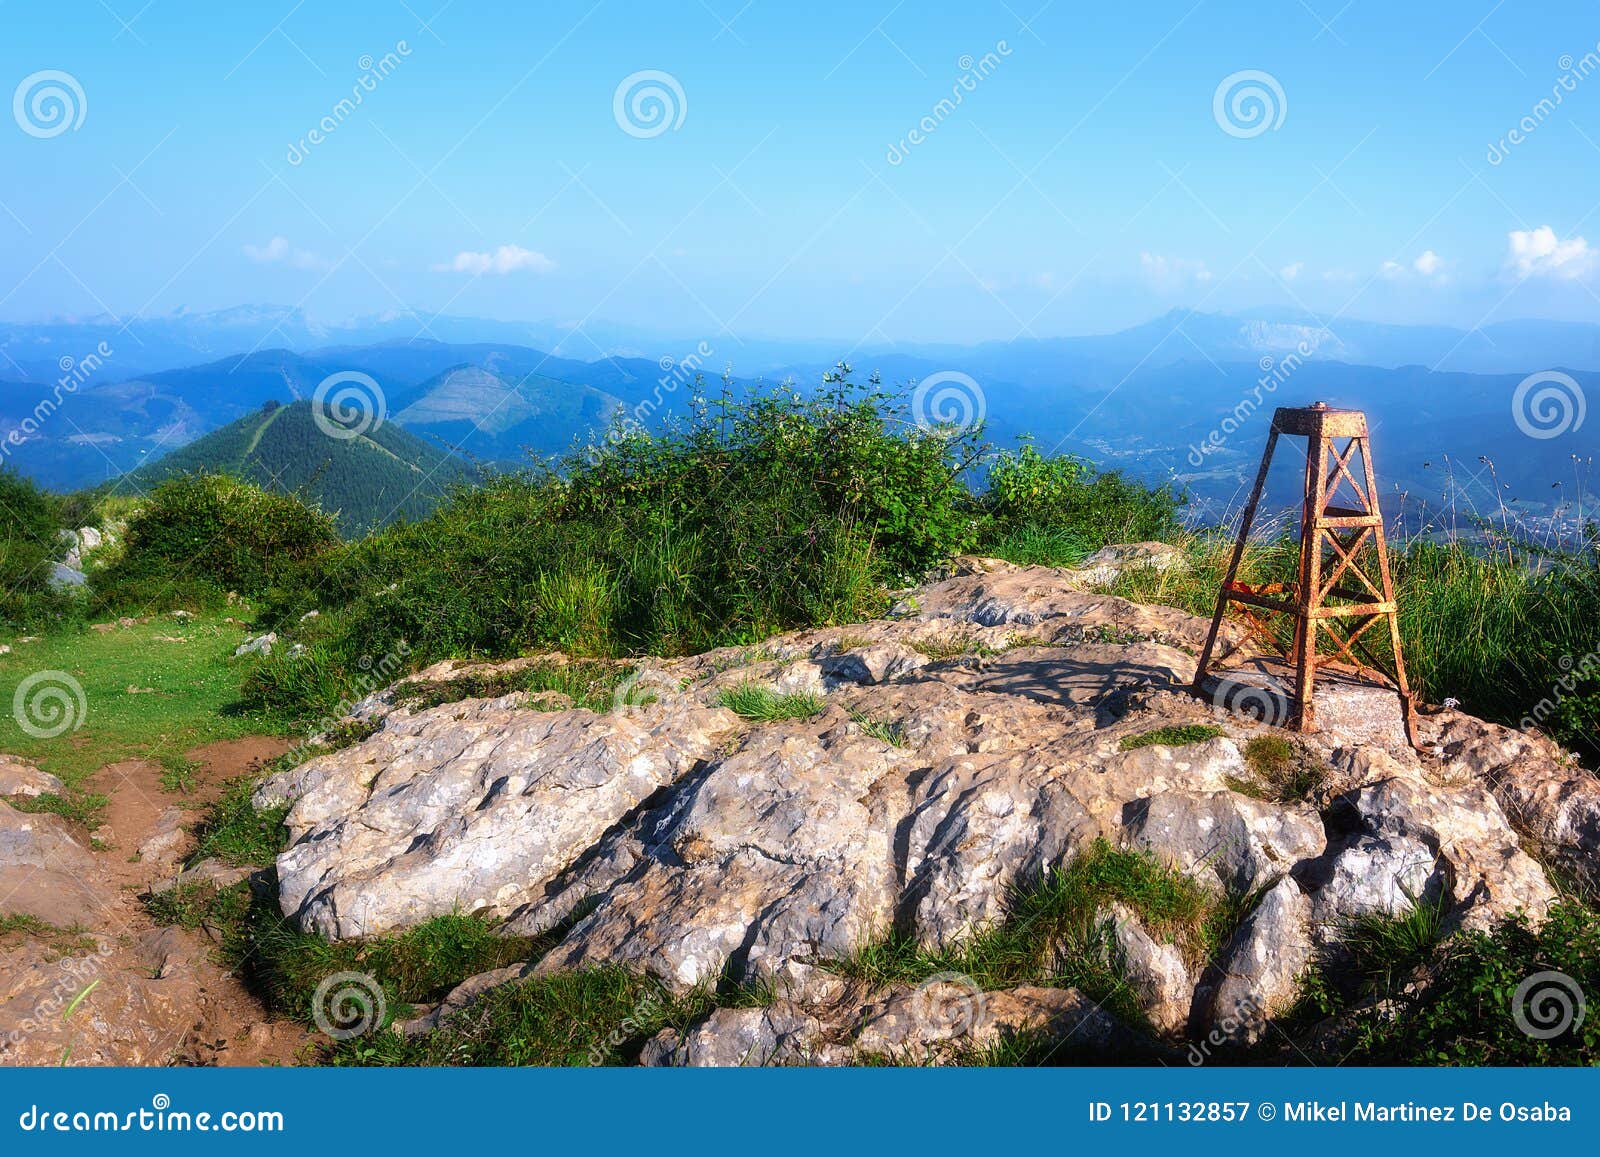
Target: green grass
point(178, 773)
point(284, 965)
point(1171, 736)
point(1280, 772)
point(764, 705)
point(193, 687)
point(235, 832)
point(593, 1016)
point(58, 941)
point(883, 730)
point(943, 650)
point(83, 808)
point(1505, 631)
point(1053, 932)
point(1464, 1011)
point(1041, 546)
point(590, 684)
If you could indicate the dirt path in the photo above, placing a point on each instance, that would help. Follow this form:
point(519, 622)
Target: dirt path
point(218, 1021)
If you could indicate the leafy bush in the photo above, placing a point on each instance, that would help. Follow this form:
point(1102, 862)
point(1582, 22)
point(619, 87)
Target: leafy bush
point(1467, 1013)
point(1033, 499)
point(201, 536)
point(29, 543)
point(749, 517)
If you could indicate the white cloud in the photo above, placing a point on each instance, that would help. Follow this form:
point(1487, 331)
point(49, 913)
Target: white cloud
point(506, 259)
point(278, 251)
point(1429, 265)
point(1540, 253)
point(1172, 272)
point(1290, 272)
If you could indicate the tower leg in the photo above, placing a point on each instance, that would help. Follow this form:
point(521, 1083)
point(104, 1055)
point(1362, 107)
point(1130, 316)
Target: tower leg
point(1245, 521)
point(1407, 706)
point(1310, 597)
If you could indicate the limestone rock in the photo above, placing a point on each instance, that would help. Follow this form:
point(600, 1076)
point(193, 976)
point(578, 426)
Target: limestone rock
point(1155, 972)
point(1229, 842)
point(45, 873)
point(258, 645)
point(23, 779)
point(1260, 970)
point(948, 1017)
point(472, 806)
point(1109, 563)
point(781, 1034)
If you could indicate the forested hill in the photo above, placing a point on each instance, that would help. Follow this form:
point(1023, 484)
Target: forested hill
point(366, 477)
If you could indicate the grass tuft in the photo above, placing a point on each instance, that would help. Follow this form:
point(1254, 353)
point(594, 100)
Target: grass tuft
point(752, 701)
point(1171, 736)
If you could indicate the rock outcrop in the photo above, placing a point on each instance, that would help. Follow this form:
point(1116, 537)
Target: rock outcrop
point(961, 749)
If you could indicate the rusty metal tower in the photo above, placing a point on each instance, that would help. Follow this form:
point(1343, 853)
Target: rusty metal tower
point(1337, 596)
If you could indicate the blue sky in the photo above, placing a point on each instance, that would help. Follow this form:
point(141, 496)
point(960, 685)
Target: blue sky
point(1084, 182)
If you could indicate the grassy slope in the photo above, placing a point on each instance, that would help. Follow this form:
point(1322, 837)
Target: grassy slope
point(369, 480)
point(193, 683)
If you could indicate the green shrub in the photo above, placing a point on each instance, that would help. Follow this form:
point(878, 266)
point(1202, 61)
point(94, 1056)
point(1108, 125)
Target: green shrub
point(200, 536)
point(1467, 1012)
point(1049, 508)
point(30, 541)
point(749, 517)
